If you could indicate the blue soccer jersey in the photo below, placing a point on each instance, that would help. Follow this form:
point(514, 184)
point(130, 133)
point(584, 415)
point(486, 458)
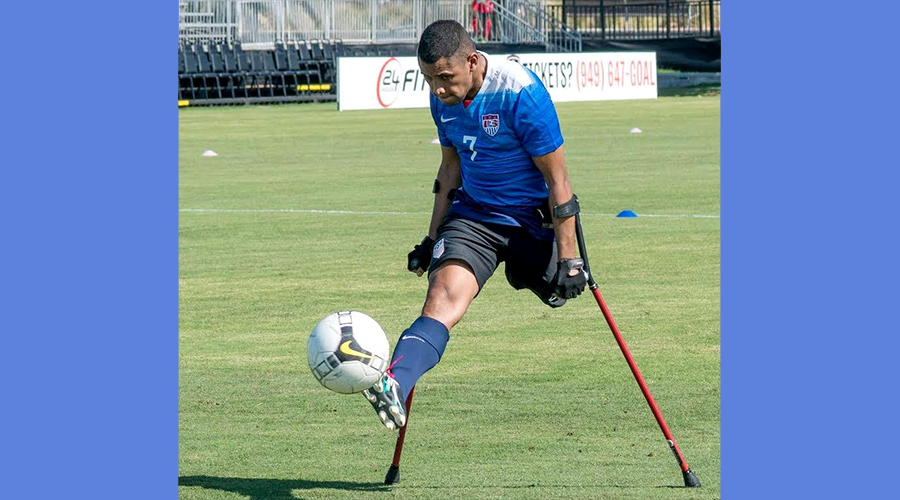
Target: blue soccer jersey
point(510, 120)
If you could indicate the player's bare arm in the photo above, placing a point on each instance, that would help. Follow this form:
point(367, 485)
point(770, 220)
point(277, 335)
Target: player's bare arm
point(553, 166)
point(569, 280)
point(448, 180)
point(446, 183)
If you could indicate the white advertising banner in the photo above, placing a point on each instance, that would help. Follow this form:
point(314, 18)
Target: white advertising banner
point(396, 82)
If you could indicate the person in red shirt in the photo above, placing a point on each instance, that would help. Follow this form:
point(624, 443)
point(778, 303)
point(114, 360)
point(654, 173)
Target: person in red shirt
point(476, 11)
point(487, 8)
point(482, 12)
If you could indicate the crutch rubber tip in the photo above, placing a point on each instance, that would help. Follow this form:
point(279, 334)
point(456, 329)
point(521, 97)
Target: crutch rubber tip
point(690, 480)
point(393, 475)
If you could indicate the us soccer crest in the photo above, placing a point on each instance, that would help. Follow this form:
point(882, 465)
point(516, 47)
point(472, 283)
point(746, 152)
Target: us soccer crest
point(490, 124)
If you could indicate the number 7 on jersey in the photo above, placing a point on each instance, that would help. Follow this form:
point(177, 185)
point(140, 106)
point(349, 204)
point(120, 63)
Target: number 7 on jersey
point(466, 139)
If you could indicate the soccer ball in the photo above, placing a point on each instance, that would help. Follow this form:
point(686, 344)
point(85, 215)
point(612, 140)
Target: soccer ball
point(348, 352)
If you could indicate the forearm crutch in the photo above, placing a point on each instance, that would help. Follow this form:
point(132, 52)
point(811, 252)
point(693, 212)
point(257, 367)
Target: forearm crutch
point(690, 480)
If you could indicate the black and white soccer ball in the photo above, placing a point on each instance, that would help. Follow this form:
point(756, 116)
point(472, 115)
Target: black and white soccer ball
point(348, 352)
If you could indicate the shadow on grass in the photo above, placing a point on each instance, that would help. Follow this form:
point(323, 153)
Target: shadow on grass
point(705, 90)
point(272, 489)
point(546, 486)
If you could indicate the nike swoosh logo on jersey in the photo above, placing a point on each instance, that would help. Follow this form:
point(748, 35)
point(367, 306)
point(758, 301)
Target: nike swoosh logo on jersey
point(448, 119)
point(345, 348)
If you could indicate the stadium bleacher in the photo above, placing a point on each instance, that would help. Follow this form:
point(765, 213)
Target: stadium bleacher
point(226, 73)
point(290, 49)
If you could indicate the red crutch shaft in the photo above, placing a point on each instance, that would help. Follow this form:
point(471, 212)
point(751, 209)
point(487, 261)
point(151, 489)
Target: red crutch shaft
point(640, 379)
point(398, 448)
point(690, 479)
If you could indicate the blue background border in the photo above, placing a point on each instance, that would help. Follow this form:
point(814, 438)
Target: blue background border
point(89, 203)
point(90, 237)
point(809, 189)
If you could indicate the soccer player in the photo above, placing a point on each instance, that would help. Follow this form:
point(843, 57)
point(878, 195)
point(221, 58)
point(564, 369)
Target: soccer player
point(502, 169)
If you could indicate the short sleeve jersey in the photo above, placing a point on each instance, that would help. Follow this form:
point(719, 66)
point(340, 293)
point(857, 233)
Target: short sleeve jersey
point(510, 120)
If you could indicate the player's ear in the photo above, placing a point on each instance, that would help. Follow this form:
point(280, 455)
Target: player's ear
point(472, 60)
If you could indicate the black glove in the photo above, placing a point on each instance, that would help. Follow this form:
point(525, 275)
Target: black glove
point(565, 286)
point(420, 257)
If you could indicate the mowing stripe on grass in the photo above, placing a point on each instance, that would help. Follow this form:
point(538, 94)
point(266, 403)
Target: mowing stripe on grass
point(365, 212)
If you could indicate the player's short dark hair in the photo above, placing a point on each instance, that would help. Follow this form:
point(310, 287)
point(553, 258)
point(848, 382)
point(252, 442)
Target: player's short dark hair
point(444, 39)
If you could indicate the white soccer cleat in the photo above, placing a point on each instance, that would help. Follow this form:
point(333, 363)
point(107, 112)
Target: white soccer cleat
point(385, 398)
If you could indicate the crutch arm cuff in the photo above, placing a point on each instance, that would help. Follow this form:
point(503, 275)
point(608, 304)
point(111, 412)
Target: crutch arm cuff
point(567, 209)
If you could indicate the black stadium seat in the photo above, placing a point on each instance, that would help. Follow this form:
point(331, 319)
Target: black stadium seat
point(281, 65)
point(184, 91)
point(328, 51)
point(294, 75)
point(252, 81)
point(223, 70)
point(261, 80)
point(197, 81)
point(327, 64)
point(211, 83)
point(217, 63)
point(317, 52)
point(307, 59)
point(276, 78)
point(331, 55)
point(237, 76)
point(299, 60)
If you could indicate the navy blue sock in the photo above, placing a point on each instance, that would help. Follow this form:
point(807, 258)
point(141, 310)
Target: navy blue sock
point(420, 348)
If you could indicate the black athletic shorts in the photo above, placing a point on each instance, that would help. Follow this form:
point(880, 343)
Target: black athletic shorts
point(530, 263)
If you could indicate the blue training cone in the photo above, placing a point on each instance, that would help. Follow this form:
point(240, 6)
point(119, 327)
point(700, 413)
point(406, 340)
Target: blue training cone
point(627, 213)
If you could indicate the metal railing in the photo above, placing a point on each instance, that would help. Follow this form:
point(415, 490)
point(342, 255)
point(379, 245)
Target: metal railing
point(643, 20)
point(261, 22)
point(554, 34)
point(354, 21)
point(206, 20)
point(557, 27)
point(512, 26)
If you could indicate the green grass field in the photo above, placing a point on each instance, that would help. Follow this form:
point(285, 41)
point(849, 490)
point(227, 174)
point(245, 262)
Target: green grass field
point(528, 402)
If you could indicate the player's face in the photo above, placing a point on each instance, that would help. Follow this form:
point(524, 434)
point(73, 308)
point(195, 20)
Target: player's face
point(450, 78)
